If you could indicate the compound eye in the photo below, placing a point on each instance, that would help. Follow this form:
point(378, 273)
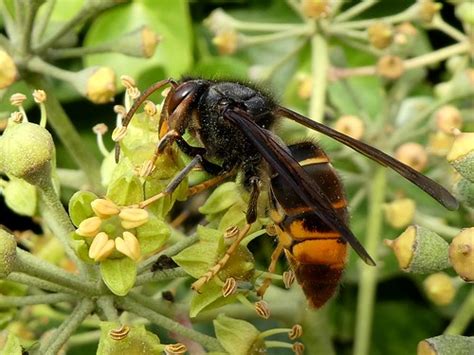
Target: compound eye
point(181, 92)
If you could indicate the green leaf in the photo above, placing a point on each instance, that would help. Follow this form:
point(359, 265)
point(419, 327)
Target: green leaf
point(126, 190)
point(152, 235)
point(119, 275)
point(168, 18)
point(222, 198)
point(137, 341)
point(236, 336)
point(12, 346)
point(80, 206)
point(21, 197)
point(222, 67)
point(199, 257)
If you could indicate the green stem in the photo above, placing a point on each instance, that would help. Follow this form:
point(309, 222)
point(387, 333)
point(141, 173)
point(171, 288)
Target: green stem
point(275, 331)
point(49, 298)
point(463, 317)
point(26, 29)
point(167, 274)
point(80, 51)
point(355, 10)
point(86, 12)
point(173, 250)
point(439, 24)
point(57, 218)
point(277, 344)
point(79, 339)
point(39, 283)
point(34, 266)
point(55, 341)
point(84, 338)
point(144, 311)
point(437, 56)
point(73, 178)
point(106, 304)
point(317, 342)
point(68, 135)
point(276, 36)
point(368, 275)
point(8, 21)
point(272, 69)
point(42, 22)
point(319, 71)
point(263, 27)
point(407, 15)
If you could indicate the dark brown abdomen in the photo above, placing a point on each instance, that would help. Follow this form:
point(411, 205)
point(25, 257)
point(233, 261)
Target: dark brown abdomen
point(315, 251)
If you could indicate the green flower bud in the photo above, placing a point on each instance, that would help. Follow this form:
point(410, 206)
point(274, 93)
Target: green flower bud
point(26, 151)
point(461, 254)
point(380, 35)
point(7, 253)
point(96, 83)
point(461, 155)
point(139, 43)
point(420, 250)
point(439, 288)
point(465, 12)
point(399, 213)
point(9, 72)
point(20, 197)
point(446, 345)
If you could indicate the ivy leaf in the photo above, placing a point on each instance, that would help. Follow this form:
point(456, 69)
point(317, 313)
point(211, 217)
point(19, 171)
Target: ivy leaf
point(119, 274)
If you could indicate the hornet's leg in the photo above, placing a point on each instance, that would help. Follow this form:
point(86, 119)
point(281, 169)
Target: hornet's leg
point(271, 268)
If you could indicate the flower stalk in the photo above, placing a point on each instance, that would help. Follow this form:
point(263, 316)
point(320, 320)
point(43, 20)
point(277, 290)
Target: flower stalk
point(368, 276)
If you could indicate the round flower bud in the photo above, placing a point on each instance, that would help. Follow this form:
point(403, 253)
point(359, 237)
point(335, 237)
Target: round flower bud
point(352, 126)
point(440, 143)
point(465, 12)
point(101, 86)
point(305, 86)
point(399, 213)
point(446, 345)
point(448, 118)
point(26, 151)
point(464, 192)
point(315, 8)
point(427, 9)
point(420, 250)
point(380, 35)
point(461, 254)
point(439, 288)
point(9, 72)
point(461, 155)
point(390, 67)
point(7, 253)
point(226, 42)
point(413, 155)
